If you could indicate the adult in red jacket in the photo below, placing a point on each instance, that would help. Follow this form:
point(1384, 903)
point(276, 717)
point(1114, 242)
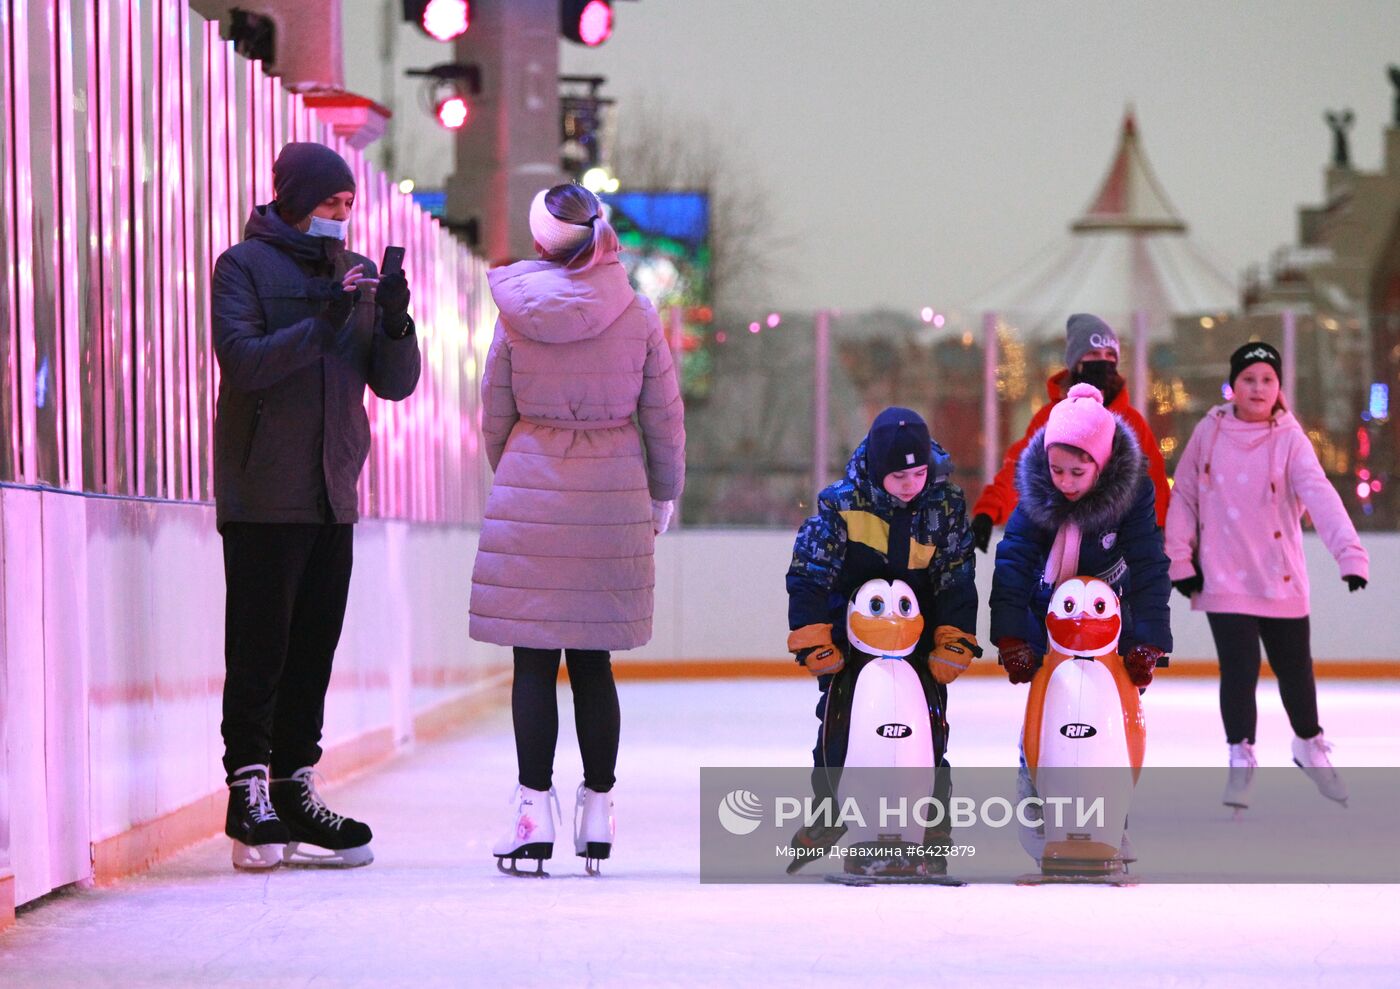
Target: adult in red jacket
point(1091, 355)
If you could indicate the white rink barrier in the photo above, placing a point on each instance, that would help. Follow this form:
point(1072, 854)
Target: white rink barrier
point(111, 659)
point(111, 672)
point(721, 597)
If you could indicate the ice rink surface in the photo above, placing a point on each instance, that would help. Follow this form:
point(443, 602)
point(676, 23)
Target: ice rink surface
point(433, 911)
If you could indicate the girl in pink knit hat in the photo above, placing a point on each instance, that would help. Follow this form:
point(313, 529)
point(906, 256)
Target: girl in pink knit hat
point(1085, 506)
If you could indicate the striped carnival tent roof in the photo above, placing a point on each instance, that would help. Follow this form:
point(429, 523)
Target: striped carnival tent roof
point(1128, 252)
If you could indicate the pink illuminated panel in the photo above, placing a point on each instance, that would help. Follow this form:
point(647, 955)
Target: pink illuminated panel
point(107, 373)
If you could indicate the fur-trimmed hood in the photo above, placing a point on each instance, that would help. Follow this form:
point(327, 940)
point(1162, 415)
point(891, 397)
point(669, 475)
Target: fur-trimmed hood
point(1103, 507)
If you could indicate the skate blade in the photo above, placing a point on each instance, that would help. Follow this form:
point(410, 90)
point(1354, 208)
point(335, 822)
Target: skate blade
point(796, 864)
point(256, 858)
point(304, 855)
point(511, 870)
point(847, 879)
point(592, 853)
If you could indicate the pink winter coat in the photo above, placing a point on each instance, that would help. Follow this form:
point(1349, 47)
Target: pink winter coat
point(1240, 493)
point(565, 558)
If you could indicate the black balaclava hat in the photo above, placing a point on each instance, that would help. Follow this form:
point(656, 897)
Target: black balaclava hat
point(305, 175)
point(899, 440)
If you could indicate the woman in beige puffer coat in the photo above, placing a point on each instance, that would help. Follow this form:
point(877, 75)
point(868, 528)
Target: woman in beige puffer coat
point(580, 494)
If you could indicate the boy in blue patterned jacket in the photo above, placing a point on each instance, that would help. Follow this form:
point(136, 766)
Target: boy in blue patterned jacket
point(894, 516)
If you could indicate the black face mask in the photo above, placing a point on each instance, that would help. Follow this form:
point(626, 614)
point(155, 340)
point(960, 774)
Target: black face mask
point(1103, 375)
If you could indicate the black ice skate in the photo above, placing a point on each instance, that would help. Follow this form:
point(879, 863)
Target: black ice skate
point(890, 861)
point(259, 837)
point(531, 834)
point(812, 842)
point(318, 836)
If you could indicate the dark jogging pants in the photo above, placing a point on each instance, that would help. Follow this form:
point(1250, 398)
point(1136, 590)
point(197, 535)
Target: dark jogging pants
point(1287, 642)
point(286, 587)
point(535, 711)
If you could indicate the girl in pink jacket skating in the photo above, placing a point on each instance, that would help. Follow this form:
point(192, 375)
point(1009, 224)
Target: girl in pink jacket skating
point(1234, 537)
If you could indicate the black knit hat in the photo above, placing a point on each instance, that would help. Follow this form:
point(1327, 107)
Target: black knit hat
point(305, 175)
point(1254, 353)
point(899, 440)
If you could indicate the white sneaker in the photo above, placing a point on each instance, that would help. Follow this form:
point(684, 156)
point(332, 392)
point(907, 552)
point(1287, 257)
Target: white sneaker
point(1310, 755)
point(595, 827)
point(1241, 779)
point(531, 834)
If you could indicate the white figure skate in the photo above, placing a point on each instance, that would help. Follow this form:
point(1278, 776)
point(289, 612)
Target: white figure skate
point(1240, 782)
point(1310, 755)
point(595, 827)
point(531, 834)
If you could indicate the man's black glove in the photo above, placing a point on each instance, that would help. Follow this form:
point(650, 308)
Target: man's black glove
point(393, 297)
point(1190, 585)
point(982, 530)
point(1354, 582)
point(339, 304)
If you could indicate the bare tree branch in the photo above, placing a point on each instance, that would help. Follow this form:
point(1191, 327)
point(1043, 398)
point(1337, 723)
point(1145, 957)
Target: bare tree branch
point(659, 148)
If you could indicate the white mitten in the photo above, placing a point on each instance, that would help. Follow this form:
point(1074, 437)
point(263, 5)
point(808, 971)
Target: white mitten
point(661, 512)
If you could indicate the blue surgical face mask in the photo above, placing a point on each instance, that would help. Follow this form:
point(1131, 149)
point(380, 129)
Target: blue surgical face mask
point(334, 229)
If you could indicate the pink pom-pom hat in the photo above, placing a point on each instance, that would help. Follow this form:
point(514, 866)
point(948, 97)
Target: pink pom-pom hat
point(1081, 420)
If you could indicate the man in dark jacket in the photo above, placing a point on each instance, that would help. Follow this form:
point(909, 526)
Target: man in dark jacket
point(301, 326)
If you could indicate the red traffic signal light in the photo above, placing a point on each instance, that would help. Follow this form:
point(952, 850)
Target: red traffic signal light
point(440, 19)
point(446, 89)
point(452, 112)
point(589, 22)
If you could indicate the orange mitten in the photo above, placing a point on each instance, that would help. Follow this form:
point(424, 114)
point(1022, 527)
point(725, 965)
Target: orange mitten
point(815, 650)
point(953, 651)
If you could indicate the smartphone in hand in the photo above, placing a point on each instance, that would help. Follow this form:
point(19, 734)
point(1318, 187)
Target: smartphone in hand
point(392, 262)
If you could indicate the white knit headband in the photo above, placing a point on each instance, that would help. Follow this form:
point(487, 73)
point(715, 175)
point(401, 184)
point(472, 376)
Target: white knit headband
point(550, 232)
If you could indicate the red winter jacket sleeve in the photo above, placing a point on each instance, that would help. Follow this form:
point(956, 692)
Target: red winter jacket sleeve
point(999, 498)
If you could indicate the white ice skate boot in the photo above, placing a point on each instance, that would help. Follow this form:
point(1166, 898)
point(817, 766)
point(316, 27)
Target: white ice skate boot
point(594, 827)
point(531, 834)
point(1310, 755)
point(1241, 779)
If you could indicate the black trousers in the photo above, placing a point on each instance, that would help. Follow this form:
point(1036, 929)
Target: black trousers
point(534, 708)
point(286, 587)
point(1288, 644)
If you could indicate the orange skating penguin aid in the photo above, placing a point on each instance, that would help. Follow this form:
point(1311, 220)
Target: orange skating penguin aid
point(1084, 733)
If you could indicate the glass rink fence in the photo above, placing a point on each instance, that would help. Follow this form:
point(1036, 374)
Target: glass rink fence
point(135, 144)
point(793, 394)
